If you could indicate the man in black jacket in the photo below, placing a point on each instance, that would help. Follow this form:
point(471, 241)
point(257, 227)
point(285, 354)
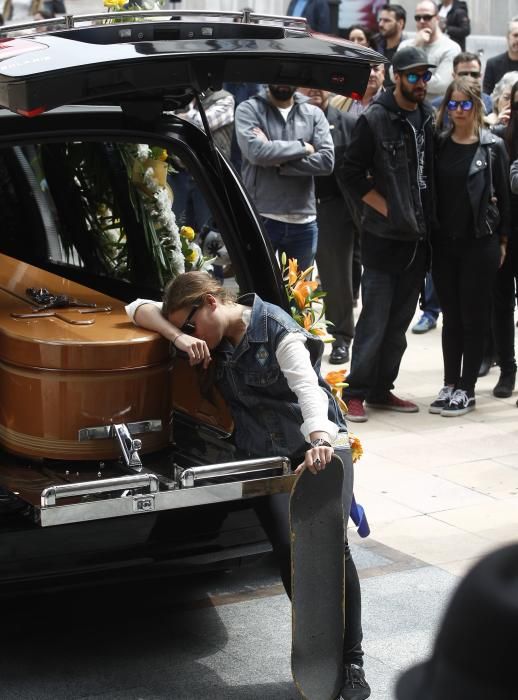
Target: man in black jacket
point(498, 66)
point(337, 218)
point(389, 166)
point(454, 21)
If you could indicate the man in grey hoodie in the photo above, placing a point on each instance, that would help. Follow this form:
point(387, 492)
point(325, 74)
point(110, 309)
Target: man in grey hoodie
point(285, 142)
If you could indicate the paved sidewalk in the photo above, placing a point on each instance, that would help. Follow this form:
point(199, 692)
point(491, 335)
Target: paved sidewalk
point(439, 493)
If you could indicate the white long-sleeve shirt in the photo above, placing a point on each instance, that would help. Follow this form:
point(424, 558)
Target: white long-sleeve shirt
point(295, 364)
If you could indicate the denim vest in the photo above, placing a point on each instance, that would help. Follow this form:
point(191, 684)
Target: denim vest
point(266, 412)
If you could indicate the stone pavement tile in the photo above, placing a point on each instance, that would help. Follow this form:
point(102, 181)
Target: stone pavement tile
point(381, 508)
point(268, 622)
point(432, 541)
point(380, 678)
point(401, 613)
point(488, 476)
point(423, 449)
point(496, 524)
point(459, 568)
point(416, 490)
point(510, 460)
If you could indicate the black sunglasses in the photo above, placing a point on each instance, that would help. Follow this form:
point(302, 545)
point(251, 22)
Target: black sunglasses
point(465, 105)
point(413, 78)
point(471, 73)
point(424, 18)
point(188, 326)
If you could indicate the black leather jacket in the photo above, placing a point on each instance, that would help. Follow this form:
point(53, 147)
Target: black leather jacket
point(457, 23)
point(383, 155)
point(489, 218)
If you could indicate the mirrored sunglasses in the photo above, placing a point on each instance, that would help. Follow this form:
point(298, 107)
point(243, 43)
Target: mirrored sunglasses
point(414, 77)
point(465, 105)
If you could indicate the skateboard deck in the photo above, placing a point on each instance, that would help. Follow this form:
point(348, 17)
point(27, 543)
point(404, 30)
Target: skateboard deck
point(317, 577)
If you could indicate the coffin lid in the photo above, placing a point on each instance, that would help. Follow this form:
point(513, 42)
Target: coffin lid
point(111, 342)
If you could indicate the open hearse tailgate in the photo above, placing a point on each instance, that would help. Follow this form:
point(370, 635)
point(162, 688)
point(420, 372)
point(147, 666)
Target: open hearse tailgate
point(111, 63)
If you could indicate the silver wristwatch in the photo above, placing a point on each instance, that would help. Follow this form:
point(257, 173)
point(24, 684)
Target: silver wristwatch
point(320, 442)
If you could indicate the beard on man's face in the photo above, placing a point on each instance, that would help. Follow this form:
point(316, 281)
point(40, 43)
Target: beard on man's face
point(282, 92)
point(414, 94)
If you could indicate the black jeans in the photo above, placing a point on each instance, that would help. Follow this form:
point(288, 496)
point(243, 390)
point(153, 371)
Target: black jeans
point(464, 275)
point(335, 250)
point(503, 308)
point(389, 300)
point(273, 513)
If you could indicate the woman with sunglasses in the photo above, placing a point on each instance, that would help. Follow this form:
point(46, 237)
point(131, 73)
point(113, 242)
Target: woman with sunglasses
point(469, 243)
point(268, 370)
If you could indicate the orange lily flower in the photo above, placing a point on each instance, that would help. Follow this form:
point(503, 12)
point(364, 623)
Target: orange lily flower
point(292, 270)
point(302, 290)
point(336, 377)
point(307, 320)
point(356, 447)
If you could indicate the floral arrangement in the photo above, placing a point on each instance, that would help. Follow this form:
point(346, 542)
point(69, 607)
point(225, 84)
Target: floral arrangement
point(174, 249)
point(337, 383)
point(306, 301)
point(308, 309)
point(128, 5)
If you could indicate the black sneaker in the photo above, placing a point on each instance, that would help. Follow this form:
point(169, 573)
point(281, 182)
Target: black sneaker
point(459, 405)
point(355, 686)
point(443, 399)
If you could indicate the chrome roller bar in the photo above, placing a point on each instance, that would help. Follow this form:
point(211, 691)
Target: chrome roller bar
point(189, 477)
point(51, 494)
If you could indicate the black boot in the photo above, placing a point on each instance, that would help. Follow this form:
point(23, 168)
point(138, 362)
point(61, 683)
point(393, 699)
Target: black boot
point(505, 385)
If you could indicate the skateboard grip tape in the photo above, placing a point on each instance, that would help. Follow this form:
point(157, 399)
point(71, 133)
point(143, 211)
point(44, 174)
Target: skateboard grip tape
point(317, 570)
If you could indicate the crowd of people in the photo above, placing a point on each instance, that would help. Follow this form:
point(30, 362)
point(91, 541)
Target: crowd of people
point(416, 202)
point(418, 179)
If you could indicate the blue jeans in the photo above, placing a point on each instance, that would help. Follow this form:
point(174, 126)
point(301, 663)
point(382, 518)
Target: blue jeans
point(431, 306)
point(296, 240)
point(388, 303)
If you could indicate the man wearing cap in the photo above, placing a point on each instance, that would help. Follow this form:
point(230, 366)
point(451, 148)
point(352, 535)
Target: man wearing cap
point(440, 50)
point(388, 166)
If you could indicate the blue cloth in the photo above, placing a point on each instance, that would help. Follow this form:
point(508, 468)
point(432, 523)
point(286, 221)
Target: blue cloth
point(316, 13)
point(298, 8)
point(431, 306)
point(298, 241)
point(359, 518)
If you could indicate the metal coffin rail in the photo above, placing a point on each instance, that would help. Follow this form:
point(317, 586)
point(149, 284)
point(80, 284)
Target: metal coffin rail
point(140, 493)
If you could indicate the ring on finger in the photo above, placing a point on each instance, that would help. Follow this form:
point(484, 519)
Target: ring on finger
point(317, 462)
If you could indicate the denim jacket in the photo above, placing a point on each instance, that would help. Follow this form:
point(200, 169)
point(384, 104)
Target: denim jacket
point(266, 412)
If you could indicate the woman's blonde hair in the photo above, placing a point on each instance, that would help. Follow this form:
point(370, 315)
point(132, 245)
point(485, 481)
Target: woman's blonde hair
point(189, 288)
point(472, 92)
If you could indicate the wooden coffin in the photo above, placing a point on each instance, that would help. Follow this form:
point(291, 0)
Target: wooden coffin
point(58, 376)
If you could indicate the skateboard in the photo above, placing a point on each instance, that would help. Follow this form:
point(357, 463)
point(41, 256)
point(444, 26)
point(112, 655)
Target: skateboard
point(317, 578)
